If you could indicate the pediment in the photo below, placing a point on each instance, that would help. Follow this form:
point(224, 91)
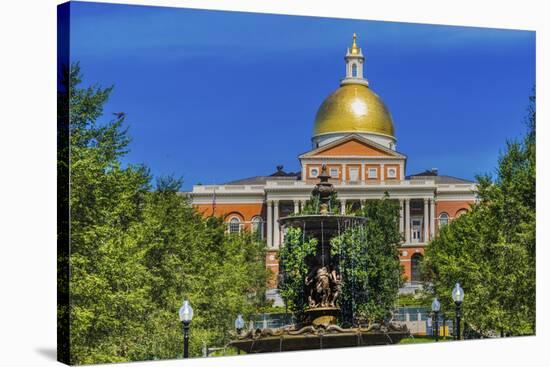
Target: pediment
point(352, 146)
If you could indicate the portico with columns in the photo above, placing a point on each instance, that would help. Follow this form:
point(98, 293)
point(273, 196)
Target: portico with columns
point(417, 222)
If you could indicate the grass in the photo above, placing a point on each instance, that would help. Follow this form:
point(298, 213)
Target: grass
point(413, 300)
point(422, 339)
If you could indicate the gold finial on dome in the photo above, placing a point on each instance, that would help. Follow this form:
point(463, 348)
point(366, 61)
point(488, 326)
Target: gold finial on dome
point(354, 49)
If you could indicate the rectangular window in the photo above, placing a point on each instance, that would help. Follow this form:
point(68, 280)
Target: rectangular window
point(354, 174)
point(334, 172)
point(373, 173)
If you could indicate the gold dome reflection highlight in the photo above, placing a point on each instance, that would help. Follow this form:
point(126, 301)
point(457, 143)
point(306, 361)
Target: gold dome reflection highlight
point(353, 108)
point(359, 107)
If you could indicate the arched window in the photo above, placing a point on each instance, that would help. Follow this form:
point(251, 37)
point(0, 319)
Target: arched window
point(258, 227)
point(234, 225)
point(354, 70)
point(415, 267)
point(443, 219)
point(460, 212)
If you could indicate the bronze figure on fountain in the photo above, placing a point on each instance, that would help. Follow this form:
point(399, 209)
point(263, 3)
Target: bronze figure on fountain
point(323, 286)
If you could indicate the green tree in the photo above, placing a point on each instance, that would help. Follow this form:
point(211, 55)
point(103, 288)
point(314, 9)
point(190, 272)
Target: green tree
point(369, 262)
point(137, 252)
point(109, 282)
point(491, 249)
point(294, 257)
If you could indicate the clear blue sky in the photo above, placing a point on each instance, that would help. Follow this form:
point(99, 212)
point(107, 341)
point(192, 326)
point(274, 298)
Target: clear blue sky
point(216, 96)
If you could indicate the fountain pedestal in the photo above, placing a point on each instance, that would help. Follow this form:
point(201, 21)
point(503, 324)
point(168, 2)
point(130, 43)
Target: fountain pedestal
point(322, 316)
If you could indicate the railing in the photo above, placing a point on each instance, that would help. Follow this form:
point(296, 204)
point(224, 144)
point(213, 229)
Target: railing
point(419, 321)
point(457, 186)
point(226, 188)
point(351, 183)
point(271, 320)
point(197, 189)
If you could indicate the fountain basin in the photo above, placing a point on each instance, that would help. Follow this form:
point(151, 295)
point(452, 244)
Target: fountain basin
point(309, 338)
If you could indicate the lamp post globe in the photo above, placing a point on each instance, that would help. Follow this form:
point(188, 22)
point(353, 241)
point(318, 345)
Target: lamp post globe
point(436, 306)
point(458, 294)
point(458, 297)
point(186, 315)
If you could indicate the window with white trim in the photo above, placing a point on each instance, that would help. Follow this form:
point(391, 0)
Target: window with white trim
point(443, 219)
point(392, 172)
point(234, 225)
point(373, 172)
point(334, 172)
point(314, 172)
point(354, 174)
point(258, 227)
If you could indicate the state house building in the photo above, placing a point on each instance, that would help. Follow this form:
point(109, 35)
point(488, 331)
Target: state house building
point(354, 135)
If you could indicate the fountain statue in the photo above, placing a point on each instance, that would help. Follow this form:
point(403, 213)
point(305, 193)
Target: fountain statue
point(323, 281)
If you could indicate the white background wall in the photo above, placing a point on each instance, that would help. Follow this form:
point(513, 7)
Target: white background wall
point(28, 191)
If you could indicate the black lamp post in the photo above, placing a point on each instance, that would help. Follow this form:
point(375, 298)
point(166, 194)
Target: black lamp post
point(239, 325)
point(458, 297)
point(186, 315)
point(436, 306)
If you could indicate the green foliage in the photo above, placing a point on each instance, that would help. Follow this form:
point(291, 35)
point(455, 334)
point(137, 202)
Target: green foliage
point(294, 256)
point(491, 249)
point(420, 299)
point(136, 253)
point(369, 263)
point(312, 206)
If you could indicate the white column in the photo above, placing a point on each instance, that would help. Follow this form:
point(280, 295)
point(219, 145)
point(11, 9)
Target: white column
point(401, 216)
point(426, 221)
point(296, 207)
point(344, 174)
point(432, 218)
point(381, 172)
point(343, 206)
point(302, 205)
point(407, 221)
point(276, 228)
point(269, 224)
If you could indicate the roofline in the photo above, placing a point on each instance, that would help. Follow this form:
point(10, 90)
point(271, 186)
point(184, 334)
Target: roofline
point(456, 178)
point(350, 137)
point(355, 133)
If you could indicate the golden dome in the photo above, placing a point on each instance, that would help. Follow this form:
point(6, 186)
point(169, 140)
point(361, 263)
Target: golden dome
point(353, 108)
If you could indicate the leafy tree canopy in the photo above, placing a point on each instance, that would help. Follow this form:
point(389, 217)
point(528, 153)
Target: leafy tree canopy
point(491, 249)
point(136, 253)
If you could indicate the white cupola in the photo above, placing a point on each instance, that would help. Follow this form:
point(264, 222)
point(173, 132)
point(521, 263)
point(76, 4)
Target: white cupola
point(354, 65)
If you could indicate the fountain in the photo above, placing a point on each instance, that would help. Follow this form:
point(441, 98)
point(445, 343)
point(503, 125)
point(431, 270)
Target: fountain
point(318, 327)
